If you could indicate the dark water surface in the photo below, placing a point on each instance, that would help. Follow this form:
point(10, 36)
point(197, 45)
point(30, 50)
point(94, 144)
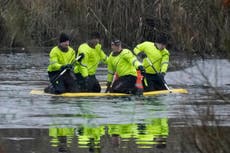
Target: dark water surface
point(165, 123)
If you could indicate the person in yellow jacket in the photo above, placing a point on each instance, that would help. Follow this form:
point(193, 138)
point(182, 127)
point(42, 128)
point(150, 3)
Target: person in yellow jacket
point(155, 61)
point(124, 63)
point(93, 55)
point(61, 60)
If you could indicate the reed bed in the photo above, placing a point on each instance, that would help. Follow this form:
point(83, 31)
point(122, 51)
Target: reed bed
point(197, 27)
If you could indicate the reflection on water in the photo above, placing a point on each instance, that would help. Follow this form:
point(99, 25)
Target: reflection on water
point(34, 124)
point(144, 135)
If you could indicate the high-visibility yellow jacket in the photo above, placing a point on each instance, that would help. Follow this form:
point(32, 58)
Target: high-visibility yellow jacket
point(59, 58)
point(123, 64)
point(159, 58)
point(91, 60)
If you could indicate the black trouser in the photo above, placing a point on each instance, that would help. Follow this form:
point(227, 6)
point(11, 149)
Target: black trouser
point(125, 84)
point(154, 82)
point(66, 83)
point(91, 84)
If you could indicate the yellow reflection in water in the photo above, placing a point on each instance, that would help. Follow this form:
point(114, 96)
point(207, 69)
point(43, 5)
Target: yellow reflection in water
point(153, 132)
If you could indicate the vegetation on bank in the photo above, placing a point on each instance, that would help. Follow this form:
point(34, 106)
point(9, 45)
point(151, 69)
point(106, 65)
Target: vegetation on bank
point(195, 27)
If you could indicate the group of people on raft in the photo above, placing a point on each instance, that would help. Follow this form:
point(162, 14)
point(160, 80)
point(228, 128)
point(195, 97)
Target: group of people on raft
point(71, 71)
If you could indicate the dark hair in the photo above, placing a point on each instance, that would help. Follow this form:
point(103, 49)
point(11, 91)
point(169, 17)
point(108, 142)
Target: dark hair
point(95, 35)
point(162, 39)
point(116, 42)
point(63, 37)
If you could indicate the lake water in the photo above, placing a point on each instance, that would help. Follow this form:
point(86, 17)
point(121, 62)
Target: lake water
point(164, 123)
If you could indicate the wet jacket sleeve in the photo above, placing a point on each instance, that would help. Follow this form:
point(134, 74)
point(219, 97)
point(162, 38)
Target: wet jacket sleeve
point(164, 61)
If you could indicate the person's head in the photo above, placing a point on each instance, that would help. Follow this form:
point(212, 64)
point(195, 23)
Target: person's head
point(161, 41)
point(94, 39)
point(64, 40)
point(116, 45)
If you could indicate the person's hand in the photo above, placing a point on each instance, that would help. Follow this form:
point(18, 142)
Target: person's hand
point(142, 69)
point(142, 55)
point(81, 55)
point(67, 66)
point(162, 75)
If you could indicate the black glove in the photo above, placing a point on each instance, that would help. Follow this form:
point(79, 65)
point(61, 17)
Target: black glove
point(67, 66)
point(162, 75)
point(81, 57)
point(142, 55)
point(142, 69)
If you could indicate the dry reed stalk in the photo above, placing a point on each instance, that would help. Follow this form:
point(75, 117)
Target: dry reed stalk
point(196, 27)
